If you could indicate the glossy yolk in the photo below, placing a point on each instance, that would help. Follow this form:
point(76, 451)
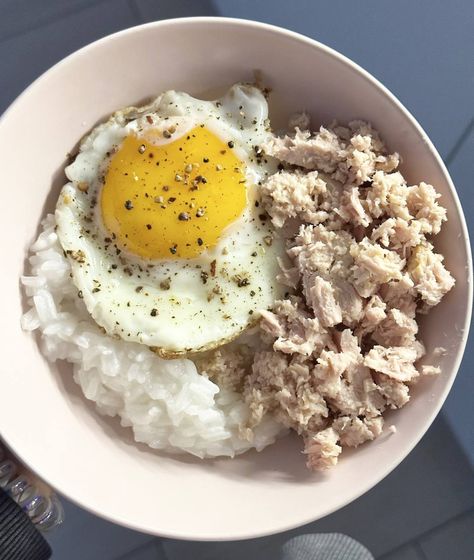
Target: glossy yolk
point(172, 200)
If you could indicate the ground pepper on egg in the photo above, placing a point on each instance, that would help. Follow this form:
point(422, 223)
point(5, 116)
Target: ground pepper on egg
point(207, 189)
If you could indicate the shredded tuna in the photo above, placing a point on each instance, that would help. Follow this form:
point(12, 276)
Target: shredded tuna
point(351, 155)
point(354, 431)
point(387, 195)
point(397, 329)
point(423, 206)
point(345, 382)
point(227, 366)
point(323, 254)
point(400, 294)
point(284, 386)
point(373, 314)
point(395, 393)
point(344, 347)
point(351, 208)
point(322, 450)
point(430, 370)
point(432, 280)
point(295, 330)
point(397, 362)
point(323, 151)
point(267, 366)
point(294, 194)
point(289, 276)
point(374, 266)
point(323, 302)
point(399, 235)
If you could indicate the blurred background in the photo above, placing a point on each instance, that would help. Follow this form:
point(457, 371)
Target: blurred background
point(423, 52)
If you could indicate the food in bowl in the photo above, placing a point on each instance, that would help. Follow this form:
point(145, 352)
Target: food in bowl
point(215, 284)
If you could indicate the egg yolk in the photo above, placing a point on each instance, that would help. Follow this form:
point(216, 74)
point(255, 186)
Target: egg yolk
point(172, 200)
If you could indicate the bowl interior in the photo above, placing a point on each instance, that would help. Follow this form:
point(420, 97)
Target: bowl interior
point(43, 415)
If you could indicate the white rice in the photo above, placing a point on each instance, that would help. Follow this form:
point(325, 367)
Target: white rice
point(167, 403)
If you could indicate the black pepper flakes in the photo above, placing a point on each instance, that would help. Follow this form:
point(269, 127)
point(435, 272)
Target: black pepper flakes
point(213, 268)
point(148, 226)
point(205, 160)
point(141, 149)
point(78, 256)
point(230, 144)
point(241, 281)
point(183, 217)
point(199, 179)
point(199, 241)
point(138, 289)
point(204, 277)
point(200, 213)
point(154, 312)
point(173, 249)
point(128, 204)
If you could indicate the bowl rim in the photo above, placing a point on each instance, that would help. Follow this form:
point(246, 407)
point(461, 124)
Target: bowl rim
point(428, 420)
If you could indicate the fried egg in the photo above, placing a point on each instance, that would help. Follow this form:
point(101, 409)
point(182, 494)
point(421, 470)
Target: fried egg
point(162, 225)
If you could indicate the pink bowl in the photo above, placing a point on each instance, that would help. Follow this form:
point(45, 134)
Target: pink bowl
point(43, 416)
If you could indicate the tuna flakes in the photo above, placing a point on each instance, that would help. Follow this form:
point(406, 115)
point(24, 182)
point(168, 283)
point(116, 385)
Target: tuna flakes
point(343, 346)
